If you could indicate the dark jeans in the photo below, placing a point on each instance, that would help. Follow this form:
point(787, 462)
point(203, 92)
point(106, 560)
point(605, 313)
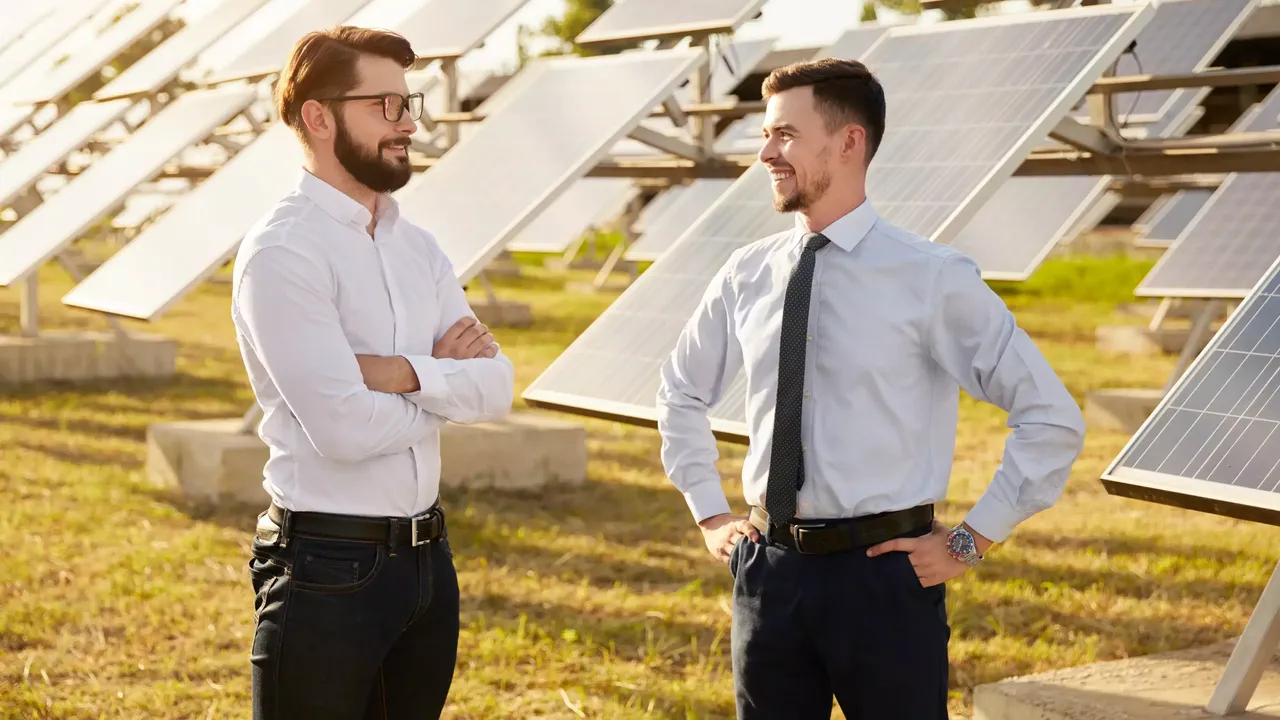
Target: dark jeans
point(806, 627)
point(344, 630)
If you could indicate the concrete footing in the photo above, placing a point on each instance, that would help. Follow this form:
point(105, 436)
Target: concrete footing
point(211, 462)
point(1156, 687)
point(1140, 340)
point(1122, 409)
point(84, 356)
point(503, 313)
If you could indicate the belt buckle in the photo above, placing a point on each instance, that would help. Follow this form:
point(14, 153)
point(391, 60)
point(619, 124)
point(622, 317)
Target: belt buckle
point(413, 529)
point(798, 532)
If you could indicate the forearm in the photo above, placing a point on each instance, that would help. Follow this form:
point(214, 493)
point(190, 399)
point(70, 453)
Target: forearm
point(689, 454)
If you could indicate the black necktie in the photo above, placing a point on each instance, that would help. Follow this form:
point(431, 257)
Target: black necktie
point(786, 460)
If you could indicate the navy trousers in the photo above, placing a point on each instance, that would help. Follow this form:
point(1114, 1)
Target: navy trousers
point(347, 631)
point(861, 629)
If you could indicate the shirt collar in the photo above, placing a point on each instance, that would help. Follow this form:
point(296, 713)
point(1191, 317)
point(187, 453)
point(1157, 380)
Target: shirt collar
point(849, 230)
point(341, 206)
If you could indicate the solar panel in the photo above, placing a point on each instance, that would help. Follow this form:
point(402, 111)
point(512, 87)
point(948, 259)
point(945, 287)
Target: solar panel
point(201, 231)
point(630, 21)
point(88, 60)
point(1174, 216)
point(487, 188)
point(61, 219)
point(967, 99)
point(591, 201)
point(1028, 216)
point(656, 206)
point(437, 26)
point(668, 226)
point(19, 18)
point(588, 203)
point(20, 170)
point(159, 67)
point(268, 49)
point(1211, 443)
point(1233, 239)
point(25, 52)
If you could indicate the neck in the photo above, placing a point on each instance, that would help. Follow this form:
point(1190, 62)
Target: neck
point(834, 204)
point(332, 172)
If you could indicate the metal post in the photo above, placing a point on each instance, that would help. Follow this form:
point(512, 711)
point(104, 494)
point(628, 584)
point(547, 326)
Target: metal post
point(453, 103)
point(29, 307)
point(702, 126)
point(1252, 653)
point(1162, 311)
point(1191, 349)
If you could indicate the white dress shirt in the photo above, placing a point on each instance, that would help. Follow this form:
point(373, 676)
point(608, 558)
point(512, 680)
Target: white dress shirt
point(311, 290)
point(897, 324)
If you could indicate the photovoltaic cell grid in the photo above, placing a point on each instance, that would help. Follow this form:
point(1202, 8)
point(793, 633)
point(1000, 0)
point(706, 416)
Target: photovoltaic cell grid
point(202, 230)
point(667, 227)
point(486, 189)
point(1212, 443)
point(1014, 77)
point(1028, 216)
point(88, 198)
point(1233, 239)
point(637, 20)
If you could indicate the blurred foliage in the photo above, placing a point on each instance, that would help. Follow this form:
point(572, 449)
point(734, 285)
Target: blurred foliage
point(578, 14)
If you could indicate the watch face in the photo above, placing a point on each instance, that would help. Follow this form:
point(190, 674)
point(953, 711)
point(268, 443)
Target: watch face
point(960, 543)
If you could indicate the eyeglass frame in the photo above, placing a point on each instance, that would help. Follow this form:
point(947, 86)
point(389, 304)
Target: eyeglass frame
point(406, 101)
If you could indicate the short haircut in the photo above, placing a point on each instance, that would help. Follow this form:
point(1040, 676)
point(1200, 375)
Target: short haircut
point(844, 91)
point(323, 64)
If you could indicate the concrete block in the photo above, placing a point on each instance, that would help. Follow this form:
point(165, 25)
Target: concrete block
point(1140, 340)
point(503, 313)
point(84, 356)
point(1154, 687)
point(210, 462)
point(1122, 409)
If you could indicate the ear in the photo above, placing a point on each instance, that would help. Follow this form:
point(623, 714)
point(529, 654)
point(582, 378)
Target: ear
point(853, 143)
point(317, 119)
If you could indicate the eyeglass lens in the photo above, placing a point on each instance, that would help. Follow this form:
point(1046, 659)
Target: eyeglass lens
point(393, 106)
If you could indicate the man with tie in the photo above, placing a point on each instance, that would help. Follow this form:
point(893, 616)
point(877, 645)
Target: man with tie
point(855, 337)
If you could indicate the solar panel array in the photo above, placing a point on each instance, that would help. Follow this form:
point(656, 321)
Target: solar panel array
point(88, 198)
point(1028, 216)
point(1233, 239)
point(489, 186)
point(20, 171)
point(438, 25)
point(267, 45)
point(1004, 81)
point(161, 65)
point(25, 55)
point(636, 20)
point(667, 227)
point(1211, 443)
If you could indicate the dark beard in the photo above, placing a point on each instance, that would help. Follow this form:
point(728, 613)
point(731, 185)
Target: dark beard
point(380, 176)
point(802, 198)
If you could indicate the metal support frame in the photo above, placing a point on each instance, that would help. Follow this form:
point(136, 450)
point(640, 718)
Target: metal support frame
point(601, 279)
point(703, 127)
point(453, 104)
point(1252, 652)
point(1209, 310)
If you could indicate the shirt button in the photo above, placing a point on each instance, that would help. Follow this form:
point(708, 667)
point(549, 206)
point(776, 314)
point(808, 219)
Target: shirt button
point(808, 338)
point(806, 393)
point(804, 448)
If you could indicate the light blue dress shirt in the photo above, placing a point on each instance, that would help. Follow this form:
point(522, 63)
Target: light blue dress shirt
point(897, 325)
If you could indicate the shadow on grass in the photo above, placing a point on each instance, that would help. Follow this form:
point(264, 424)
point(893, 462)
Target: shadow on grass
point(1120, 545)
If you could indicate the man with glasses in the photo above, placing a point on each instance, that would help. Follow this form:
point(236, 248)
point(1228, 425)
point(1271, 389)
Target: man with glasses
point(359, 344)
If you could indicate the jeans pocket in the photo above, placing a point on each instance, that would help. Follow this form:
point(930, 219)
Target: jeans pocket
point(735, 555)
point(335, 566)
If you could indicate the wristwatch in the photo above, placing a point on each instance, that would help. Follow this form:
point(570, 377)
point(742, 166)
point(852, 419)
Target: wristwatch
point(961, 545)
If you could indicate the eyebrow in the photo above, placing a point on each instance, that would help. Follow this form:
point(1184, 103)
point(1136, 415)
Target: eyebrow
point(779, 126)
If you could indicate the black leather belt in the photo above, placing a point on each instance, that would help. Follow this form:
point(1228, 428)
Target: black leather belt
point(829, 536)
point(414, 531)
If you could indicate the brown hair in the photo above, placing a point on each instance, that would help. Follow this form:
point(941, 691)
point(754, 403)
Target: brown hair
point(323, 63)
point(844, 91)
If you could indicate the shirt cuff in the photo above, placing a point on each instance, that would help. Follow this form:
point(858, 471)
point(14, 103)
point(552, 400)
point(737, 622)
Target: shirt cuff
point(993, 519)
point(706, 499)
point(431, 381)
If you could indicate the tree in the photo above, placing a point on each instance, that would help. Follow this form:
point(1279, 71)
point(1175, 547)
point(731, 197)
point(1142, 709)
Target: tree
point(560, 31)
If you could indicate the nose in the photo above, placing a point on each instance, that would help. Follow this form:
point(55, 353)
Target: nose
point(406, 125)
point(768, 151)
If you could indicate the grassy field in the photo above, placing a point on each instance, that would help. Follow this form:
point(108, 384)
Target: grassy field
point(118, 601)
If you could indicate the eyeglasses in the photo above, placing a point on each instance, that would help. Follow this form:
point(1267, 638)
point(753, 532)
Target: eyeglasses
point(393, 104)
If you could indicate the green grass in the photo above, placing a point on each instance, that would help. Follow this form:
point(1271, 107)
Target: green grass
point(119, 601)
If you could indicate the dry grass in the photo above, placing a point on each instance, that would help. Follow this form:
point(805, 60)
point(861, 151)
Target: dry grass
point(118, 602)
